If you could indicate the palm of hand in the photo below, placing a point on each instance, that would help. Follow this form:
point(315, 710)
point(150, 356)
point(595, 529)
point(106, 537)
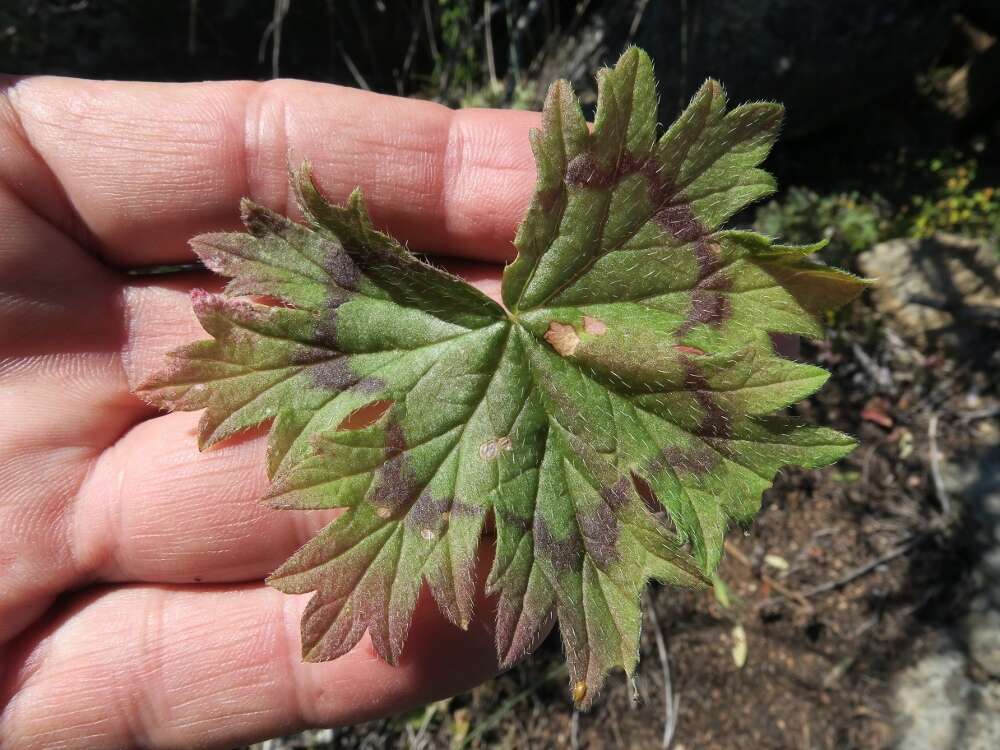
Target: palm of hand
point(131, 608)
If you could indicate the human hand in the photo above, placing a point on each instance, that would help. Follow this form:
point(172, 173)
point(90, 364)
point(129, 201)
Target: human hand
point(132, 610)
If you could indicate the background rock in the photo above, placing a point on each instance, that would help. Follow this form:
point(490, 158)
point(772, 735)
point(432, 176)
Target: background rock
point(926, 285)
point(939, 708)
point(951, 698)
point(975, 479)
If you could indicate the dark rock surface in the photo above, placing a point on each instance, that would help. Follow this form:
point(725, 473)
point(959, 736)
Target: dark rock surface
point(820, 58)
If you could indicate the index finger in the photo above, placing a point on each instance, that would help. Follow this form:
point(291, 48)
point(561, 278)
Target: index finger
point(144, 166)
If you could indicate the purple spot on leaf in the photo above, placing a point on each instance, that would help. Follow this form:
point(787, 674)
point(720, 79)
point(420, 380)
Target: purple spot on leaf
point(708, 257)
point(708, 304)
point(584, 171)
point(600, 534)
point(523, 525)
point(679, 220)
point(395, 488)
point(344, 271)
point(685, 461)
point(675, 216)
point(336, 375)
point(548, 198)
point(617, 494)
point(261, 221)
point(709, 307)
point(430, 515)
point(564, 554)
point(714, 422)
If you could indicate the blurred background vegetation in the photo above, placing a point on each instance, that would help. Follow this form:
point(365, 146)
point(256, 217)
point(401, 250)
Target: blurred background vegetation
point(892, 134)
point(891, 128)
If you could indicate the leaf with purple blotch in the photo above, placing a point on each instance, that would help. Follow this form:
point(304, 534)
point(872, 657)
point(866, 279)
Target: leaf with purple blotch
point(610, 421)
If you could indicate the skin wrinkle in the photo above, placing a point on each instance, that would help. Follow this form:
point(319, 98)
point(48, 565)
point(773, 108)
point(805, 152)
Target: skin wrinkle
point(57, 517)
point(265, 130)
point(106, 552)
point(26, 659)
point(17, 667)
point(139, 715)
point(97, 552)
point(291, 660)
point(138, 707)
point(63, 505)
point(66, 220)
point(82, 112)
point(153, 549)
point(452, 157)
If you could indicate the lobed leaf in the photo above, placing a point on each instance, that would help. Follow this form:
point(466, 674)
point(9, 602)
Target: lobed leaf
point(613, 421)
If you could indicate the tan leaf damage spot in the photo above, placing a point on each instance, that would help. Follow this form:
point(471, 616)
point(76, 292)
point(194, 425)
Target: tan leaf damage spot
point(492, 448)
point(563, 338)
point(594, 326)
point(689, 349)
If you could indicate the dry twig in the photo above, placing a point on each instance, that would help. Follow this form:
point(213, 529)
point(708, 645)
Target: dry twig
point(987, 413)
point(935, 457)
point(435, 52)
point(273, 31)
point(488, 40)
point(881, 375)
point(671, 702)
point(862, 570)
point(352, 68)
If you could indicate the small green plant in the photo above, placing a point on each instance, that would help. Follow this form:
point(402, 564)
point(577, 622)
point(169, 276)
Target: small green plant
point(628, 377)
point(947, 199)
point(458, 66)
point(849, 221)
point(954, 204)
point(523, 96)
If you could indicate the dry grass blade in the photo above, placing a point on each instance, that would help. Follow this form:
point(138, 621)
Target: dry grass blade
point(935, 459)
point(671, 701)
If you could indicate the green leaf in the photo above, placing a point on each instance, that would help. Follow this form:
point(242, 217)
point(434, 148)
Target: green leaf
point(612, 421)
